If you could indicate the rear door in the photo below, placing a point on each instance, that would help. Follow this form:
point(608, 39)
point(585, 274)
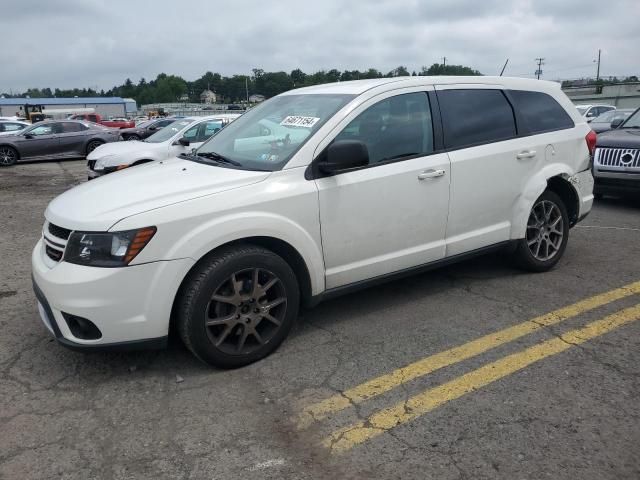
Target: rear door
point(489, 164)
point(72, 139)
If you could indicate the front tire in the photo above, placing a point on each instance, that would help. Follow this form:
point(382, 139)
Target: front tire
point(237, 306)
point(132, 138)
point(8, 156)
point(546, 236)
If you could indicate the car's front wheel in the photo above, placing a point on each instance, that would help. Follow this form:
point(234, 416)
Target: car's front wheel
point(547, 234)
point(237, 306)
point(8, 156)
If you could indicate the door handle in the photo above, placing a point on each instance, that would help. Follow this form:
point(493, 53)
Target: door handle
point(430, 174)
point(526, 154)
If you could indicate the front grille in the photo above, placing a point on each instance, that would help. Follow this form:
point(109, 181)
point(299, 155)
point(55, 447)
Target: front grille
point(53, 254)
point(59, 232)
point(91, 164)
point(617, 159)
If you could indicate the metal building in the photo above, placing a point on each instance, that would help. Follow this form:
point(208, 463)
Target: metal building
point(104, 106)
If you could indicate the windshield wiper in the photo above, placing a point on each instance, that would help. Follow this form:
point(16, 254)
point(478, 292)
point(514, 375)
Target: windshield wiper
point(218, 158)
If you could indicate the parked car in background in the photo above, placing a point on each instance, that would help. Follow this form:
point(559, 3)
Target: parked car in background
point(366, 181)
point(51, 139)
point(181, 136)
point(95, 118)
point(11, 127)
point(616, 162)
point(603, 122)
point(145, 129)
point(592, 111)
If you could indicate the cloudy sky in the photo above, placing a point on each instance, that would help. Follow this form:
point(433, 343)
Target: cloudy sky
point(99, 43)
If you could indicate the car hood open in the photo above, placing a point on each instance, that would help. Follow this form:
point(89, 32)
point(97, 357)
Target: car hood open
point(99, 204)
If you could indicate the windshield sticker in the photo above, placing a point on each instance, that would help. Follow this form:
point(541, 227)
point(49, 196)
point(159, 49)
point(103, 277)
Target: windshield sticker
point(298, 121)
point(266, 157)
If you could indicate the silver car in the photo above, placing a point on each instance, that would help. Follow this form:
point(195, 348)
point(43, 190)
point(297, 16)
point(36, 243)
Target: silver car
point(54, 139)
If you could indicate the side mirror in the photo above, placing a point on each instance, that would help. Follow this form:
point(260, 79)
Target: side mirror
point(28, 135)
point(616, 122)
point(152, 128)
point(184, 142)
point(343, 155)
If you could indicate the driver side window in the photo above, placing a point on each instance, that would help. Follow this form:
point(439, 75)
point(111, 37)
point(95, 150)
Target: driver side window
point(41, 130)
point(393, 128)
point(191, 133)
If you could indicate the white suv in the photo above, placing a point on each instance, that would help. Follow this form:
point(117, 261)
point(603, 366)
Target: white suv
point(178, 137)
point(313, 193)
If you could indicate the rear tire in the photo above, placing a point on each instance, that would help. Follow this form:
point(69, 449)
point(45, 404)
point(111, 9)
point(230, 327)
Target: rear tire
point(8, 156)
point(237, 306)
point(92, 145)
point(547, 233)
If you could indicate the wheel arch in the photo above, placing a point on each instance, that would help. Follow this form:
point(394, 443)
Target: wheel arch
point(278, 246)
point(554, 177)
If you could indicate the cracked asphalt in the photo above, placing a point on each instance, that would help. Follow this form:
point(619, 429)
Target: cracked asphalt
point(162, 414)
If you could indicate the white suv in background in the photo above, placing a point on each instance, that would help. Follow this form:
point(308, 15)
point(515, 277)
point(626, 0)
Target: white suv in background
point(311, 194)
point(179, 137)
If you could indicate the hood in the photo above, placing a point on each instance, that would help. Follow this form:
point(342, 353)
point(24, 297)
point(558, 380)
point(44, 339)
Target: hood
point(125, 148)
point(99, 204)
point(620, 138)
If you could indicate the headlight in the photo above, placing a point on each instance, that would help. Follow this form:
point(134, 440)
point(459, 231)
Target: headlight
point(102, 161)
point(110, 249)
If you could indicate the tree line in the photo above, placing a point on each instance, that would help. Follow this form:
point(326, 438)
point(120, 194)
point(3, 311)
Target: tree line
point(172, 88)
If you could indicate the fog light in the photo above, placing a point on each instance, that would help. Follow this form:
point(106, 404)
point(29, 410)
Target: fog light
point(81, 327)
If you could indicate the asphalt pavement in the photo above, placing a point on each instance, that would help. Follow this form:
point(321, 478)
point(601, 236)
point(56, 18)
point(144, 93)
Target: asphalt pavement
point(472, 371)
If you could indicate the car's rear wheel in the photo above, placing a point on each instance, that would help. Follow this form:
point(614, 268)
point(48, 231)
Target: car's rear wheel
point(547, 234)
point(92, 145)
point(8, 156)
point(237, 306)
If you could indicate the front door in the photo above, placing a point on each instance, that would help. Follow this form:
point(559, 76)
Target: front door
point(40, 141)
point(392, 214)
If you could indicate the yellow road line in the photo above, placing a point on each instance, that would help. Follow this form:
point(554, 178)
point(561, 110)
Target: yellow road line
point(387, 382)
point(431, 399)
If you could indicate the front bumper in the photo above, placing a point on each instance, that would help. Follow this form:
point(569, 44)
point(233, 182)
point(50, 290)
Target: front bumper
point(131, 306)
point(616, 183)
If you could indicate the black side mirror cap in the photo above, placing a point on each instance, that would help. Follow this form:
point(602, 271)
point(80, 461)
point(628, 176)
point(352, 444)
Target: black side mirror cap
point(344, 155)
point(28, 135)
point(184, 142)
point(616, 122)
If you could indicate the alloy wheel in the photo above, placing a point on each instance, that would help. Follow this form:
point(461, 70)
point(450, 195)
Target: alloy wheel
point(545, 230)
point(92, 146)
point(7, 156)
point(246, 311)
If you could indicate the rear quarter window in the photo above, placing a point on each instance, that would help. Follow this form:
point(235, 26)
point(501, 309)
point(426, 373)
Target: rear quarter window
point(475, 117)
point(540, 112)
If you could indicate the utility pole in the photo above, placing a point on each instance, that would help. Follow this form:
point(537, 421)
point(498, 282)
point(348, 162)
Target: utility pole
point(246, 87)
point(444, 62)
point(598, 71)
point(539, 70)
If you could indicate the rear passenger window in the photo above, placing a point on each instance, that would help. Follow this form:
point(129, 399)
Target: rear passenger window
point(540, 112)
point(474, 117)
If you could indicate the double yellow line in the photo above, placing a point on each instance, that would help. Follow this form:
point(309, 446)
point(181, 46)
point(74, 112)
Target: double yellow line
point(428, 400)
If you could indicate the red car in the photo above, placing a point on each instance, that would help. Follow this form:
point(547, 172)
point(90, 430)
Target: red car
point(95, 118)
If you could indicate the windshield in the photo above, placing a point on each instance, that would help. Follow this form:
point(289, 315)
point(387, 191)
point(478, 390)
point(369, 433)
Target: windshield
point(582, 110)
point(145, 124)
point(633, 121)
point(267, 136)
point(169, 131)
point(605, 117)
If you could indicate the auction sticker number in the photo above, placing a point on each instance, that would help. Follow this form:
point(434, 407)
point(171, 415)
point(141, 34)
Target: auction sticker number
point(298, 121)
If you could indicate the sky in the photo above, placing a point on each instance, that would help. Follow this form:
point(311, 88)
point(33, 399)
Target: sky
point(99, 43)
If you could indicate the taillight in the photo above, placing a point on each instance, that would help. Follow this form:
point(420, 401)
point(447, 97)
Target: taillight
point(591, 141)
